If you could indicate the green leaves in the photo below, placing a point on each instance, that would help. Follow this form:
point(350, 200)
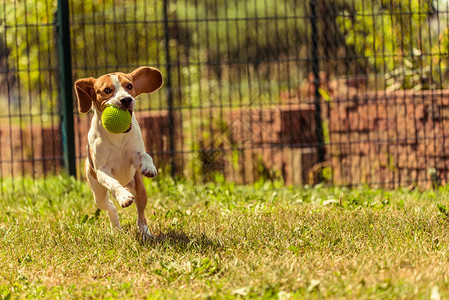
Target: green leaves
point(98, 34)
point(396, 39)
point(443, 210)
point(90, 219)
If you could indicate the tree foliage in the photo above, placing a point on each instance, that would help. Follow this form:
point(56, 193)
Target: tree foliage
point(398, 39)
point(106, 36)
point(253, 31)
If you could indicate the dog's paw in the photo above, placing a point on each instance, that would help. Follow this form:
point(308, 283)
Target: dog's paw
point(149, 171)
point(145, 232)
point(125, 198)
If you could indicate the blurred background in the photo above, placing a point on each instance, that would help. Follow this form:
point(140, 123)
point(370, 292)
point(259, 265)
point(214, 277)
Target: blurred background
point(342, 92)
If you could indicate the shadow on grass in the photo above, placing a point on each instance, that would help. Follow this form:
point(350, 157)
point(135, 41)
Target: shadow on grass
point(179, 240)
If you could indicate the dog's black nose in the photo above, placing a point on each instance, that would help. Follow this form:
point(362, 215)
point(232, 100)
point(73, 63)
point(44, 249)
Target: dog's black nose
point(126, 101)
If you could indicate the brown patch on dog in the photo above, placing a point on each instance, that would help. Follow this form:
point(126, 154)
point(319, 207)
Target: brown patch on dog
point(91, 91)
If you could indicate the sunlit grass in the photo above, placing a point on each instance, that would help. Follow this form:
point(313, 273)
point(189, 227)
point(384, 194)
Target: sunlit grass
point(220, 240)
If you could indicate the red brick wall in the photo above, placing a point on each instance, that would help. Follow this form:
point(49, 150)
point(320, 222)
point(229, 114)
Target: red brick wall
point(382, 139)
point(37, 150)
point(29, 151)
point(273, 141)
point(389, 139)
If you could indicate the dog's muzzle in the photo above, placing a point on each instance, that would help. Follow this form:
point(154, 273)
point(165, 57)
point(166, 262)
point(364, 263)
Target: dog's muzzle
point(126, 102)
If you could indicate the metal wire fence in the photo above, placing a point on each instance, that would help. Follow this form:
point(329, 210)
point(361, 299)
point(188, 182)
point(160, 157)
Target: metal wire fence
point(347, 92)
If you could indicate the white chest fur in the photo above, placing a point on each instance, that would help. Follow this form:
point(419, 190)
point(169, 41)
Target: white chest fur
point(115, 152)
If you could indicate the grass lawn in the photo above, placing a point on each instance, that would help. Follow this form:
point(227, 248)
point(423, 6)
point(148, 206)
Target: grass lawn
point(225, 241)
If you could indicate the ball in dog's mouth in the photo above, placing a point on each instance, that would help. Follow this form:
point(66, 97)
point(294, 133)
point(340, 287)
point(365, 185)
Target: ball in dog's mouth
point(116, 120)
point(130, 125)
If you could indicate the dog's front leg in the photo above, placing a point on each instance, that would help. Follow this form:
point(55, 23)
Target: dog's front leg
point(122, 194)
point(143, 163)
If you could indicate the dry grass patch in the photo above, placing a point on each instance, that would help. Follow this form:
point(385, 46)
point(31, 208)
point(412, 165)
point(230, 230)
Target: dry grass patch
point(225, 241)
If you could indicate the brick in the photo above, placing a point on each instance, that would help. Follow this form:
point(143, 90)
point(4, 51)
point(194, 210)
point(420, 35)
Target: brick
point(289, 124)
point(406, 128)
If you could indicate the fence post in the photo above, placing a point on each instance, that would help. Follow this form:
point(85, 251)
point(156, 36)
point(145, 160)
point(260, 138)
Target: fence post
point(316, 83)
point(65, 85)
point(168, 86)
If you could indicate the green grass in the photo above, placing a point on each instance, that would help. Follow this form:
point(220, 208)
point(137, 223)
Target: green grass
point(224, 241)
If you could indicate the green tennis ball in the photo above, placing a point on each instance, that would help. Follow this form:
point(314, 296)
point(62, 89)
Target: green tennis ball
point(116, 120)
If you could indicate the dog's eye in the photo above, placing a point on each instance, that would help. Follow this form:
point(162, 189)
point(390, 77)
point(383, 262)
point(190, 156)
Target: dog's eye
point(129, 86)
point(107, 90)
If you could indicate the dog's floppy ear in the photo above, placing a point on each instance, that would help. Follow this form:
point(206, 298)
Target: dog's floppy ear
point(146, 80)
point(84, 89)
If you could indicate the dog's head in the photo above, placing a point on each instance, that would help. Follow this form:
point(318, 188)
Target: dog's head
point(117, 89)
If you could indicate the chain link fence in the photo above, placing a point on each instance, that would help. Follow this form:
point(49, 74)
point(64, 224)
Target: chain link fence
point(344, 92)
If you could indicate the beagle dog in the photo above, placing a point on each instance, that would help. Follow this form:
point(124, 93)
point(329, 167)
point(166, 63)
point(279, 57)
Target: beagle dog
point(116, 162)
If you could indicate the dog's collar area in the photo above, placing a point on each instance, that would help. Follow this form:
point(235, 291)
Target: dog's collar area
point(130, 126)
